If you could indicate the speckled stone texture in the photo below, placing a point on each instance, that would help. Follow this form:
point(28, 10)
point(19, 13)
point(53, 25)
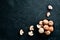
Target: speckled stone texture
point(17, 14)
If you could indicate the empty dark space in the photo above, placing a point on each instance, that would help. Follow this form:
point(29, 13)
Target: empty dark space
point(17, 14)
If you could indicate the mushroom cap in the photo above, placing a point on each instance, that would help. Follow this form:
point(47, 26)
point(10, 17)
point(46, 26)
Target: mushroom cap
point(21, 32)
point(51, 29)
point(46, 27)
point(50, 7)
point(47, 32)
point(39, 26)
point(48, 14)
point(31, 27)
point(41, 30)
point(51, 22)
point(30, 33)
point(41, 22)
point(45, 21)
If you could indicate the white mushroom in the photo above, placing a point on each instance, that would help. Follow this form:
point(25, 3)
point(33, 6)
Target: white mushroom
point(31, 27)
point(41, 22)
point(38, 26)
point(47, 32)
point(51, 28)
point(51, 22)
point(48, 14)
point(46, 27)
point(50, 7)
point(30, 33)
point(41, 30)
point(21, 32)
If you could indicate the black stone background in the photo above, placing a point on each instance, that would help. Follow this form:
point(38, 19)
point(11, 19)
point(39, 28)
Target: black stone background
point(17, 14)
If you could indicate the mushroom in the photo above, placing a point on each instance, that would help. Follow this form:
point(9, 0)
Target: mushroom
point(31, 27)
point(51, 22)
point(47, 32)
point(21, 32)
point(41, 30)
point(41, 22)
point(30, 33)
point(45, 21)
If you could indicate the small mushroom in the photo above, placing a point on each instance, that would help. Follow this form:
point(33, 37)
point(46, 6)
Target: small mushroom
point(39, 26)
point(21, 32)
point(51, 22)
point(46, 27)
point(30, 33)
point(45, 21)
point(31, 27)
point(41, 30)
point(50, 7)
point(48, 14)
point(47, 32)
point(41, 22)
point(51, 29)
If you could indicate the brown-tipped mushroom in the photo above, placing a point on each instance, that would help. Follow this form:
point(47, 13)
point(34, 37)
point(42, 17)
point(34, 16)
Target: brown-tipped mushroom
point(50, 7)
point(51, 29)
point(39, 26)
point(45, 21)
point(21, 32)
point(51, 22)
point(48, 14)
point(47, 32)
point(46, 27)
point(31, 27)
point(30, 33)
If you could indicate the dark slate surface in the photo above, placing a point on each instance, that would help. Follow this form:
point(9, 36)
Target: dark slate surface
point(17, 14)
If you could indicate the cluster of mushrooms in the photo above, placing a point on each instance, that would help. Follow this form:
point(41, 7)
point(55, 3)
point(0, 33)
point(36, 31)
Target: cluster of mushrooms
point(45, 26)
point(31, 28)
